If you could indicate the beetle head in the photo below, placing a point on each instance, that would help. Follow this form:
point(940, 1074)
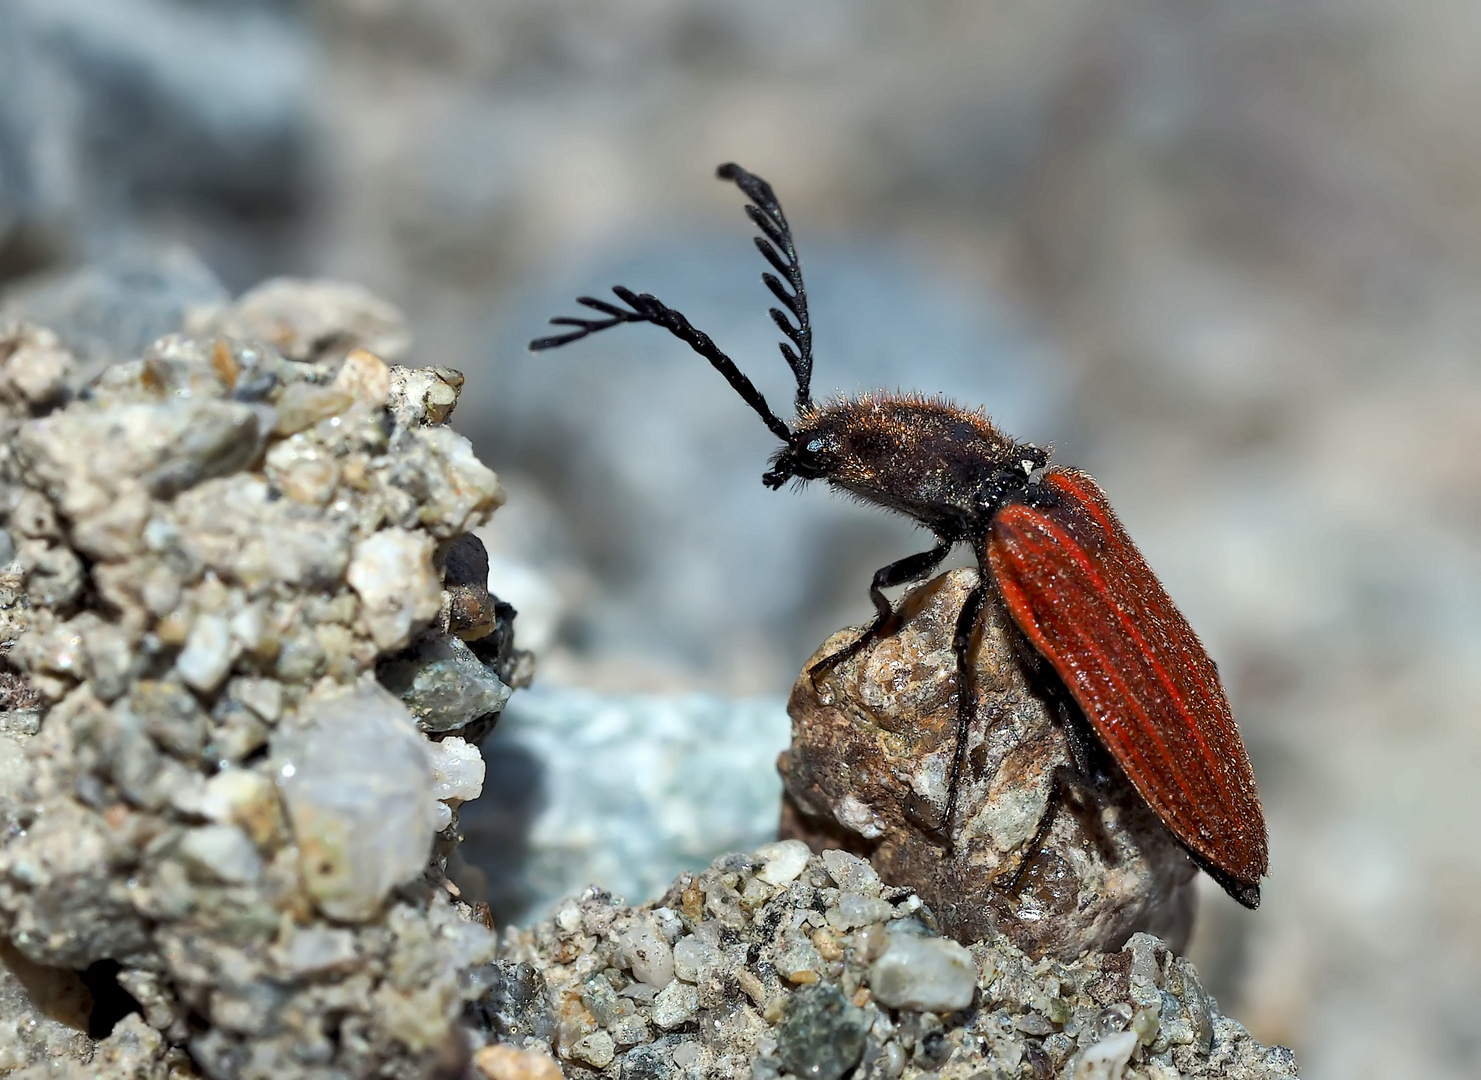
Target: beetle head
point(809, 454)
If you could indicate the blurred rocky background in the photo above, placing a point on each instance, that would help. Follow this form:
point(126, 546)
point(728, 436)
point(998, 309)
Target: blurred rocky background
point(1225, 254)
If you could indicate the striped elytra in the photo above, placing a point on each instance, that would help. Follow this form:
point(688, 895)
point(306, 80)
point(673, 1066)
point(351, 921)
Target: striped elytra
point(1087, 601)
point(1045, 539)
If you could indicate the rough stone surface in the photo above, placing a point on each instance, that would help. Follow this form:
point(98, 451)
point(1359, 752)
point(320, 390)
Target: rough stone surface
point(868, 769)
point(763, 986)
point(206, 796)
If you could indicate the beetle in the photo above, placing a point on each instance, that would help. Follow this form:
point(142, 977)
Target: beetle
point(1046, 541)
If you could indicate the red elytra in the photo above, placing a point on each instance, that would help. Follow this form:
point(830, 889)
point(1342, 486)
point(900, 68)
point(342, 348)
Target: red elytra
point(1082, 594)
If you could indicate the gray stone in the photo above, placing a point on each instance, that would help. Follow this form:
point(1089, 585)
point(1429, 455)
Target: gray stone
point(675, 1005)
point(222, 852)
point(821, 1036)
point(444, 684)
point(924, 974)
point(358, 786)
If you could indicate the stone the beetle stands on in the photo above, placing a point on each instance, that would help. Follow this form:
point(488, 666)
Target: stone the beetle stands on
point(1045, 538)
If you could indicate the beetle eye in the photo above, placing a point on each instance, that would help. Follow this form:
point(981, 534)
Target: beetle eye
point(815, 447)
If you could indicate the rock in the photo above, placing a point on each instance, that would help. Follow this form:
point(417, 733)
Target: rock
point(421, 396)
point(457, 770)
point(319, 950)
point(692, 957)
point(648, 955)
point(894, 1002)
point(357, 783)
point(207, 655)
point(181, 590)
point(1106, 1060)
point(851, 872)
point(35, 367)
point(782, 861)
point(457, 776)
point(925, 974)
point(444, 684)
point(223, 853)
point(821, 1036)
point(675, 1005)
point(503, 1062)
point(596, 1050)
point(872, 746)
point(393, 574)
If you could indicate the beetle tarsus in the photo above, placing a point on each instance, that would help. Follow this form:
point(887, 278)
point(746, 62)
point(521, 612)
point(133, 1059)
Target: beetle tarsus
point(910, 568)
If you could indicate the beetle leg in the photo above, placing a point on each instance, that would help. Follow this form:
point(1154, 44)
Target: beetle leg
point(1059, 782)
point(966, 696)
point(910, 568)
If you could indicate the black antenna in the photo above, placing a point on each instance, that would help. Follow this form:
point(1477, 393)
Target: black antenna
point(649, 309)
point(767, 215)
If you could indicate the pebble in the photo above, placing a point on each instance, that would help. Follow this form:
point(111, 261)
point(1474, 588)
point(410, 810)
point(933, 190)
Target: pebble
point(851, 872)
point(366, 376)
point(319, 950)
point(1107, 1059)
point(596, 1049)
point(821, 1036)
point(208, 653)
point(856, 909)
point(393, 574)
point(504, 1062)
point(457, 770)
point(648, 954)
point(675, 1005)
point(782, 861)
point(444, 684)
point(358, 786)
point(692, 956)
point(222, 852)
point(925, 974)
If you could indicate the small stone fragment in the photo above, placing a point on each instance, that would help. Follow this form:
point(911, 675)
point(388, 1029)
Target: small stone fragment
point(821, 1035)
point(423, 396)
point(307, 319)
point(648, 954)
point(318, 950)
point(856, 909)
point(504, 1062)
point(392, 572)
point(925, 974)
point(457, 770)
point(222, 852)
point(675, 1005)
point(782, 861)
point(208, 654)
point(444, 684)
point(358, 786)
point(596, 1049)
point(851, 872)
point(692, 956)
point(366, 377)
point(1107, 1059)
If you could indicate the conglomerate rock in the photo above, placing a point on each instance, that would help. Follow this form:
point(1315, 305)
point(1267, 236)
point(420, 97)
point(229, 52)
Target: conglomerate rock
point(785, 963)
point(213, 810)
point(868, 770)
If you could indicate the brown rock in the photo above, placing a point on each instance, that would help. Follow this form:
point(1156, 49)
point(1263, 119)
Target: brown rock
point(871, 753)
